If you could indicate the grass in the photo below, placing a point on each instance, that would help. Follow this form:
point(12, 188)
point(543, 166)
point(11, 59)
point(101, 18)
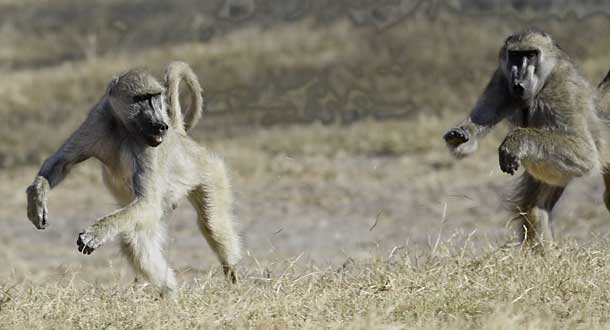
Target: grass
point(302, 72)
point(452, 288)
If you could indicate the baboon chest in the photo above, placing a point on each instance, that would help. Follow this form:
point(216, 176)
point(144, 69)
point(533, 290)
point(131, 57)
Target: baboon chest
point(537, 114)
point(118, 178)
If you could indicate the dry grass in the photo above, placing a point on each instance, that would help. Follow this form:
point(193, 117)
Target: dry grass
point(443, 271)
point(567, 288)
point(291, 73)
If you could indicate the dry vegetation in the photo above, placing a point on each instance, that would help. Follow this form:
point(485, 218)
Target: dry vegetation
point(447, 289)
point(353, 214)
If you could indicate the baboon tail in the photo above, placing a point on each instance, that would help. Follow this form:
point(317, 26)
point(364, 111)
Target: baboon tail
point(174, 73)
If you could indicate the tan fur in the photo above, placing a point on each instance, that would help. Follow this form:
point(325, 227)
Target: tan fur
point(174, 74)
point(559, 132)
point(148, 167)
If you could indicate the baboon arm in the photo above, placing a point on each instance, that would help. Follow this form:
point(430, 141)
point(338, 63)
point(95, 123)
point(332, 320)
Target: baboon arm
point(491, 107)
point(81, 145)
point(145, 207)
point(135, 214)
point(557, 153)
point(140, 214)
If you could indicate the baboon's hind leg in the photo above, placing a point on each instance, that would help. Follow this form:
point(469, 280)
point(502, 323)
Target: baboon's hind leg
point(533, 201)
point(213, 201)
point(144, 250)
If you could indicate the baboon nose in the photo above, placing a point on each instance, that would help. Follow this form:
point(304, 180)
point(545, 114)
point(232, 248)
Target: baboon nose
point(160, 127)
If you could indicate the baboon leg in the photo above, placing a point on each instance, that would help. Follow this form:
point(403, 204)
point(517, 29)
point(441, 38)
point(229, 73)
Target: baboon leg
point(533, 201)
point(213, 201)
point(607, 191)
point(144, 251)
point(536, 226)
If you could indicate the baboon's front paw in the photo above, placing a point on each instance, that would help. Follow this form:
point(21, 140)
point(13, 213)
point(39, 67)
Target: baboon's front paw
point(509, 161)
point(456, 136)
point(37, 204)
point(37, 213)
point(87, 242)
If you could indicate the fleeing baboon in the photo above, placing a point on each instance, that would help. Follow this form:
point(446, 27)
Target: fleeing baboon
point(149, 163)
point(559, 133)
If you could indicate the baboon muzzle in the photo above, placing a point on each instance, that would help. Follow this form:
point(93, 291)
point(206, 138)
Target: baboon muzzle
point(154, 133)
point(521, 76)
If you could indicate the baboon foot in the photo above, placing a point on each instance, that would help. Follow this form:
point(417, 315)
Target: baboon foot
point(168, 292)
point(538, 243)
point(87, 242)
point(533, 245)
point(230, 273)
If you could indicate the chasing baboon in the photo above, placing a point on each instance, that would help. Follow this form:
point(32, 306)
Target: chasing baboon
point(559, 132)
point(149, 163)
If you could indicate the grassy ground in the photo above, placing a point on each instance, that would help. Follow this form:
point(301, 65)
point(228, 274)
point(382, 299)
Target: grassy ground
point(449, 288)
point(352, 213)
point(412, 243)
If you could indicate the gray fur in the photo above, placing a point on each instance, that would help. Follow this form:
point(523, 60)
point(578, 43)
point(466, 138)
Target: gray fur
point(148, 167)
point(558, 132)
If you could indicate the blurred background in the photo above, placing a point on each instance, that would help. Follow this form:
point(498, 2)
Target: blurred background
point(329, 114)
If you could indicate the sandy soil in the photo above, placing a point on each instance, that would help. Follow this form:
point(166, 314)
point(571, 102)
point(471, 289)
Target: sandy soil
point(329, 209)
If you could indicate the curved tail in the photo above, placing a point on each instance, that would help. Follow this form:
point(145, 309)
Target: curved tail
point(174, 74)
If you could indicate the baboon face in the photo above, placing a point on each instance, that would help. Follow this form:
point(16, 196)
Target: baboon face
point(526, 60)
point(149, 119)
point(137, 100)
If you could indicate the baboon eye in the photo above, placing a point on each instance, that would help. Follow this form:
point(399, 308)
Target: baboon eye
point(140, 98)
point(143, 97)
point(532, 55)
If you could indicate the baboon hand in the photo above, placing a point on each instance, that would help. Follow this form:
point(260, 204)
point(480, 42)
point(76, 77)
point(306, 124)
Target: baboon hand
point(456, 136)
point(88, 241)
point(508, 157)
point(459, 142)
point(37, 202)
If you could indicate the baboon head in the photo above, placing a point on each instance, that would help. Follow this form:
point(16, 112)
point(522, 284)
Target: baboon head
point(137, 101)
point(527, 59)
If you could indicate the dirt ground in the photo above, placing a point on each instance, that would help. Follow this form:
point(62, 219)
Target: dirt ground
point(326, 208)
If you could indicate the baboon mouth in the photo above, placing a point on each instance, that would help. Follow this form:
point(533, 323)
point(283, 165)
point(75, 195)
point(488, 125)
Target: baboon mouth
point(519, 89)
point(154, 140)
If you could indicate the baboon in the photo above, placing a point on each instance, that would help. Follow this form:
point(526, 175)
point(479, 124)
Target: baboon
point(558, 134)
point(149, 163)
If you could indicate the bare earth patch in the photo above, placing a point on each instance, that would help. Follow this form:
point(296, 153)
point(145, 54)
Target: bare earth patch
point(351, 238)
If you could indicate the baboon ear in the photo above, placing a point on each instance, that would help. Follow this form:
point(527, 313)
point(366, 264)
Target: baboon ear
point(557, 46)
point(111, 85)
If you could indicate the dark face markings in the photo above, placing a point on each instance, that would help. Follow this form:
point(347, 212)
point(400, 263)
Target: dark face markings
point(522, 66)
